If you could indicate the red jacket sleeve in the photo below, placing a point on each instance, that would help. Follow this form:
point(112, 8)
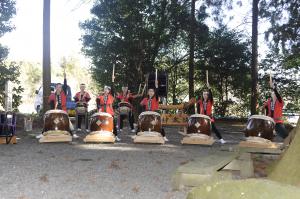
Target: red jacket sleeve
point(144, 102)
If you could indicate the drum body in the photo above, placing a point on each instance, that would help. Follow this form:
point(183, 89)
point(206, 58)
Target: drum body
point(124, 108)
point(199, 124)
point(260, 126)
point(149, 121)
point(56, 120)
point(101, 122)
point(81, 108)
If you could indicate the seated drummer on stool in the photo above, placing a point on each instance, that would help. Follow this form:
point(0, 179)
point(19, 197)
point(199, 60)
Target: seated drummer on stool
point(82, 97)
point(105, 104)
point(150, 103)
point(273, 107)
point(58, 100)
point(205, 106)
point(126, 96)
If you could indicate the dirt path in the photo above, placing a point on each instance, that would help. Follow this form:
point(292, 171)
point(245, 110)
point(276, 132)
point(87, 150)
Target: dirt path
point(123, 170)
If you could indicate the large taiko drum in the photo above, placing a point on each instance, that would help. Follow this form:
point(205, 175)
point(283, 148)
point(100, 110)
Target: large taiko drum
point(199, 124)
point(124, 108)
point(260, 126)
point(81, 108)
point(102, 122)
point(149, 121)
point(56, 120)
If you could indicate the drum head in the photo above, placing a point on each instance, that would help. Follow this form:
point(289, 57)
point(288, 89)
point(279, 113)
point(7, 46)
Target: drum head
point(200, 116)
point(149, 113)
point(81, 104)
point(56, 111)
point(101, 114)
point(262, 117)
point(125, 104)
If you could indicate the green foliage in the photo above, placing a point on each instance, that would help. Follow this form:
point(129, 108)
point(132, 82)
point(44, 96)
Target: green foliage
point(227, 57)
point(284, 33)
point(8, 71)
point(7, 11)
point(129, 34)
point(287, 81)
point(138, 36)
point(31, 76)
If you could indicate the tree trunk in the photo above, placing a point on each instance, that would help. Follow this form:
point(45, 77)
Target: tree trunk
point(46, 55)
point(159, 33)
point(192, 53)
point(254, 62)
point(226, 88)
point(174, 84)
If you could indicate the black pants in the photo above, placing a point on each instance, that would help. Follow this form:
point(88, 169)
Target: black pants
point(79, 121)
point(216, 131)
point(281, 131)
point(163, 133)
point(115, 129)
point(130, 119)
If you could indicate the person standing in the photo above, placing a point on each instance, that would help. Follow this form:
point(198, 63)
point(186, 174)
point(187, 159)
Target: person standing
point(205, 107)
point(105, 104)
point(151, 103)
point(82, 99)
point(58, 100)
point(127, 96)
point(273, 108)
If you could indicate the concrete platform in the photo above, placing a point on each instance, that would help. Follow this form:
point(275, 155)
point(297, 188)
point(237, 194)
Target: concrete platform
point(202, 170)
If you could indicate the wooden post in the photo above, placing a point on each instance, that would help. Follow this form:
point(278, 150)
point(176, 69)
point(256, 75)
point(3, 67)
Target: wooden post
point(254, 57)
point(8, 96)
point(46, 55)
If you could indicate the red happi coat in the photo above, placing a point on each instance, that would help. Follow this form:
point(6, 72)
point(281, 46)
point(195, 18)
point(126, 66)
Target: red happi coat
point(108, 104)
point(125, 98)
point(52, 97)
point(86, 97)
point(209, 107)
point(277, 116)
point(154, 104)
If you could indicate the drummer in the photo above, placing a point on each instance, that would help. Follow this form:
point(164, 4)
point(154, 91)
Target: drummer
point(82, 97)
point(205, 107)
point(127, 96)
point(273, 108)
point(151, 103)
point(58, 100)
point(105, 104)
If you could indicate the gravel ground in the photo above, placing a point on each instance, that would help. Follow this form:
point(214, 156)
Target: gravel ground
point(30, 170)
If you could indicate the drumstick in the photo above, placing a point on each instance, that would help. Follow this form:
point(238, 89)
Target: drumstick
point(206, 77)
point(113, 73)
point(139, 88)
point(156, 81)
point(144, 89)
